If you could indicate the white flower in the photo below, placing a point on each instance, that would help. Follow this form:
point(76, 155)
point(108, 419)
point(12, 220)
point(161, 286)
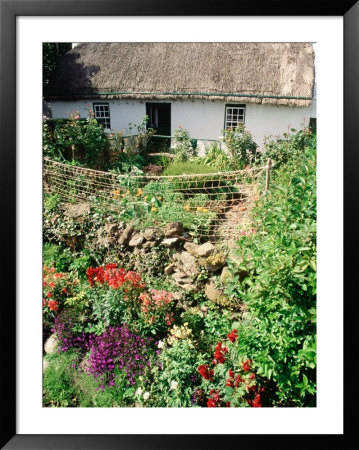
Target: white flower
point(174, 385)
point(139, 391)
point(146, 395)
point(160, 344)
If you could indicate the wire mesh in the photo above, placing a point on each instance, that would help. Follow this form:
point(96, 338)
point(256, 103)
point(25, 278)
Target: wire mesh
point(212, 206)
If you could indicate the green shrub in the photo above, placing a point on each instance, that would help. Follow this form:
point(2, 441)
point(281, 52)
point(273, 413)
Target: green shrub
point(58, 383)
point(280, 291)
point(241, 147)
point(184, 146)
point(79, 141)
point(290, 146)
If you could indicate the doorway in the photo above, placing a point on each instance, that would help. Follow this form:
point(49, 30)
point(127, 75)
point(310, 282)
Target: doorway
point(159, 118)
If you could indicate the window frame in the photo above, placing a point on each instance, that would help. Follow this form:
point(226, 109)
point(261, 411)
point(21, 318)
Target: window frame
point(234, 105)
point(102, 120)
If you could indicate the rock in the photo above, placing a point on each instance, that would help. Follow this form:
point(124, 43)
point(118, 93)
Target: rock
point(152, 234)
point(170, 241)
point(189, 287)
point(76, 209)
point(180, 277)
point(173, 229)
point(45, 365)
point(169, 269)
point(148, 245)
point(226, 274)
point(101, 238)
point(126, 235)
point(108, 234)
point(189, 264)
point(51, 344)
point(201, 251)
point(136, 240)
point(191, 248)
point(215, 262)
point(215, 295)
point(205, 250)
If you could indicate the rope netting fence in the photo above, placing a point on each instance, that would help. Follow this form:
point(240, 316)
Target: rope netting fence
point(212, 206)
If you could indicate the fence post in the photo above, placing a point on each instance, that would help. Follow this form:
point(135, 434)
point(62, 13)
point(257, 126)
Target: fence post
point(268, 173)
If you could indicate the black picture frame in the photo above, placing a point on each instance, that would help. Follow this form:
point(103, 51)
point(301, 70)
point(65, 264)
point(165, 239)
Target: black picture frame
point(9, 10)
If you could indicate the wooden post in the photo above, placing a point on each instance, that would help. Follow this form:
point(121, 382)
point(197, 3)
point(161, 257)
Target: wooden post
point(268, 173)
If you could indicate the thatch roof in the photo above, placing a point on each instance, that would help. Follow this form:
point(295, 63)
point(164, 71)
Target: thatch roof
point(278, 73)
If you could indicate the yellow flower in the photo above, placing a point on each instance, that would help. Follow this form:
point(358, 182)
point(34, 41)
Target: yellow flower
point(139, 192)
point(159, 198)
point(187, 208)
point(116, 193)
point(153, 209)
point(128, 192)
point(123, 195)
point(199, 208)
point(205, 210)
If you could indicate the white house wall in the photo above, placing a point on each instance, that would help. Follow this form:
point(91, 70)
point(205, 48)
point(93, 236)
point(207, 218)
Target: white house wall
point(203, 119)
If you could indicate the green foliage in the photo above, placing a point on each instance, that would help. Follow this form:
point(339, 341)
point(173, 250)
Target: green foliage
point(285, 149)
point(177, 380)
point(79, 141)
point(280, 292)
point(184, 146)
point(241, 147)
point(58, 384)
point(218, 159)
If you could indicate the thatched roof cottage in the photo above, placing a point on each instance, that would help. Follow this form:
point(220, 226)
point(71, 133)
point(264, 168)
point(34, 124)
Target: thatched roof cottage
point(204, 87)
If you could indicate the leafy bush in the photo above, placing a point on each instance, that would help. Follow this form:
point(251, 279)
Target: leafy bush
point(241, 147)
point(280, 291)
point(176, 381)
point(79, 141)
point(291, 145)
point(218, 159)
point(58, 386)
point(184, 146)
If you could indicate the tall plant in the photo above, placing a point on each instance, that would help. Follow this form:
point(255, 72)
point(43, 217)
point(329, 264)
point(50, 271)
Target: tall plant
point(241, 146)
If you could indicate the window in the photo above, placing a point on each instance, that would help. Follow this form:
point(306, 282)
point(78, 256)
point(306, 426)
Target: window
point(102, 114)
point(234, 116)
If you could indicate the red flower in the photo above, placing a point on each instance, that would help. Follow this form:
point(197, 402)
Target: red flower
point(238, 380)
point(256, 403)
point(53, 305)
point(229, 383)
point(231, 373)
point(64, 290)
point(233, 336)
point(220, 352)
point(228, 404)
point(252, 376)
point(211, 403)
point(205, 372)
point(49, 294)
point(214, 399)
point(246, 365)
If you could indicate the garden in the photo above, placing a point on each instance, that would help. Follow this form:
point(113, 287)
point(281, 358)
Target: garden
point(173, 279)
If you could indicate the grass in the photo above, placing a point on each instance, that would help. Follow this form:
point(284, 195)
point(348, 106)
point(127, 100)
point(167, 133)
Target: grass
point(188, 168)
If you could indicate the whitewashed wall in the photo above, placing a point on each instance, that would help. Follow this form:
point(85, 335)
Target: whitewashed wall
point(203, 119)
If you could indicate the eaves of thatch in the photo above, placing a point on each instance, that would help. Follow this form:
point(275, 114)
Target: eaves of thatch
point(274, 73)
